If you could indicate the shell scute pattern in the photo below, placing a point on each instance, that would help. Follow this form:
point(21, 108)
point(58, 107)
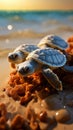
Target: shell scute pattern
point(26, 48)
point(55, 59)
point(31, 48)
point(21, 48)
point(50, 59)
point(59, 58)
point(59, 41)
point(54, 41)
point(48, 56)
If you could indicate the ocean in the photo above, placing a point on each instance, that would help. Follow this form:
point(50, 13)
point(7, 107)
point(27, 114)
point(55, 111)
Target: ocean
point(18, 27)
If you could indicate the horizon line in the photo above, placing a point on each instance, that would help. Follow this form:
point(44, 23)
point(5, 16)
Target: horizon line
point(35, 10)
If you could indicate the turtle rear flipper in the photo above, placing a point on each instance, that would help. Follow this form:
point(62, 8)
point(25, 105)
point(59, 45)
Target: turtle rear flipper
point(53, 79)
point(68, 68)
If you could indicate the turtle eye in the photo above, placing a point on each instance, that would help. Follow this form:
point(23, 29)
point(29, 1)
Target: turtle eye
point(23, 70)
point(12, 56)
point(15, 55)
point(26, 69)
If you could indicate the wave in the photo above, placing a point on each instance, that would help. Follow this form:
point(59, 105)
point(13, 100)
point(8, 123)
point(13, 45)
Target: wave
point(33, 24)
point(34, 15)
point(10, 13)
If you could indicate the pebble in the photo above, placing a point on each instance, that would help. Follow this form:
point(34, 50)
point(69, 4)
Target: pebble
point(62, 116)
point(43, 116)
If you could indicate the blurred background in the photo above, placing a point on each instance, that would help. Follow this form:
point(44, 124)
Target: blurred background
point(27, 21)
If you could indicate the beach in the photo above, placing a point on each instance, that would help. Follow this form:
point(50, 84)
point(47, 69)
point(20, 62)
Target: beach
point(19, 27)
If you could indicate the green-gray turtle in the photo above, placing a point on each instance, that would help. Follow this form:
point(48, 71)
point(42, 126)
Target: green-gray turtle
point(20, 53)
point(54, 42)
point(44, 60)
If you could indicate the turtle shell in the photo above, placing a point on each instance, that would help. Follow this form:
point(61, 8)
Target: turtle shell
point(48, 56)
point(25, 48)
point(54, 41)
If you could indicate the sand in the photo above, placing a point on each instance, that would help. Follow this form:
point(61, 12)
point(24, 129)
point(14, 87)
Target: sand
point(4, 70)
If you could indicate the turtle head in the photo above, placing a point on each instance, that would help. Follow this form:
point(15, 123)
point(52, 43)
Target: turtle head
point(16, 57)
point(26, 68)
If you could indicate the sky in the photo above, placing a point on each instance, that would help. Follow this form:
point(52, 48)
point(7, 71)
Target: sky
point(36, 4)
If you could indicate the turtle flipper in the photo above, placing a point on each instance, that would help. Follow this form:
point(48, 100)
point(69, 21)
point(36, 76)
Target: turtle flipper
point(53, 79)
point(68, 68)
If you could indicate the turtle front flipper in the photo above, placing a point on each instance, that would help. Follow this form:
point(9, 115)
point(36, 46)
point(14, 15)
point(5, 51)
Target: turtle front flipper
point(53, 79)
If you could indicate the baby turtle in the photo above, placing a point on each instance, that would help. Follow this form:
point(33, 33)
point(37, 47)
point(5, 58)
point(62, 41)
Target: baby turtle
point(20, 53)
point(54, 42)
point(44, 60)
